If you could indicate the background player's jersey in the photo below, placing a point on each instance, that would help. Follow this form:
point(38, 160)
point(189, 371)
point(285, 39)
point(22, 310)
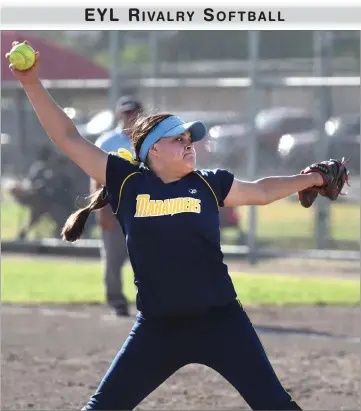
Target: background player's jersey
point(173, 236)
point(113, 140)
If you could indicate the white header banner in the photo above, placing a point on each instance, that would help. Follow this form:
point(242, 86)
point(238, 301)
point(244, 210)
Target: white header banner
point(240, 17)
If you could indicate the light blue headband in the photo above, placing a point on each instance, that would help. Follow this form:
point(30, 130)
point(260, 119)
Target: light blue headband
point(170, 127)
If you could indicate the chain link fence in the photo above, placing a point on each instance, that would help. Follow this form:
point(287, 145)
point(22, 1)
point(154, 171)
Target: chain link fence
point(265, 116)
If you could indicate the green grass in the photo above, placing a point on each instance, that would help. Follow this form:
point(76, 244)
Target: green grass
point(28, 280)
point(282, 221)
point(288, 219)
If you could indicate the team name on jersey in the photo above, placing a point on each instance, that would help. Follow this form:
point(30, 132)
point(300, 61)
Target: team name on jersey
point(153, 208)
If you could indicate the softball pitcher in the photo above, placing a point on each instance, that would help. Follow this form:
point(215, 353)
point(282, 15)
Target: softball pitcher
point(168, 210)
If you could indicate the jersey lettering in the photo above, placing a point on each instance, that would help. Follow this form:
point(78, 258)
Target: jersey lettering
point(153, 208)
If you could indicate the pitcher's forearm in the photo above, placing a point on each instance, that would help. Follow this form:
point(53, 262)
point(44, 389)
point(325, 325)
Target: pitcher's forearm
point(269, 189)
point(59, 127)
point(56, 123)
point(276, 188)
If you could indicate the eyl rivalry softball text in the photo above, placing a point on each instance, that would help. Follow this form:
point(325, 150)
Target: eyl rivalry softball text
point(208, 15)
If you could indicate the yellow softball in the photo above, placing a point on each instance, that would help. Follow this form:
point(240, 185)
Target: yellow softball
point(22, 56)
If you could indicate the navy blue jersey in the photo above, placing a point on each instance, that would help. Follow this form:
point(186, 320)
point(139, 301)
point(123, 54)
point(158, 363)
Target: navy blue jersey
point(173, 236)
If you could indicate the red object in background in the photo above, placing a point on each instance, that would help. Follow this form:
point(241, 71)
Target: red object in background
point(57, 62)
point(228, 217)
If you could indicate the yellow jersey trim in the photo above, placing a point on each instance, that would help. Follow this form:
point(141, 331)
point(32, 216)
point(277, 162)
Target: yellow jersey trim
point(209, 186)
point(121, 189)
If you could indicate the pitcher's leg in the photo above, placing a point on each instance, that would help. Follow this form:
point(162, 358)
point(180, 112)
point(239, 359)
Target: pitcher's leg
point(235, 351)
point(146, 360)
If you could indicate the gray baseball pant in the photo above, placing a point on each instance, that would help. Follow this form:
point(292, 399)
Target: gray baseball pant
point(114, 255)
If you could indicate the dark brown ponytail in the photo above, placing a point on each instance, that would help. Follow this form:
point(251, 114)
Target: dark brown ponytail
point(74, 226)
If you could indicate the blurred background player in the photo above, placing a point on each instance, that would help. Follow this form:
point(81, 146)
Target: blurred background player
point(114, 251)
point(46, 190)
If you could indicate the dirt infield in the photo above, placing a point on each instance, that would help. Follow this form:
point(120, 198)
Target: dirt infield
point(54, 357)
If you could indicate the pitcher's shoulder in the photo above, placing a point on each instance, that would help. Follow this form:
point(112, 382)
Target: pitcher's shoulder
point(219, 181)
